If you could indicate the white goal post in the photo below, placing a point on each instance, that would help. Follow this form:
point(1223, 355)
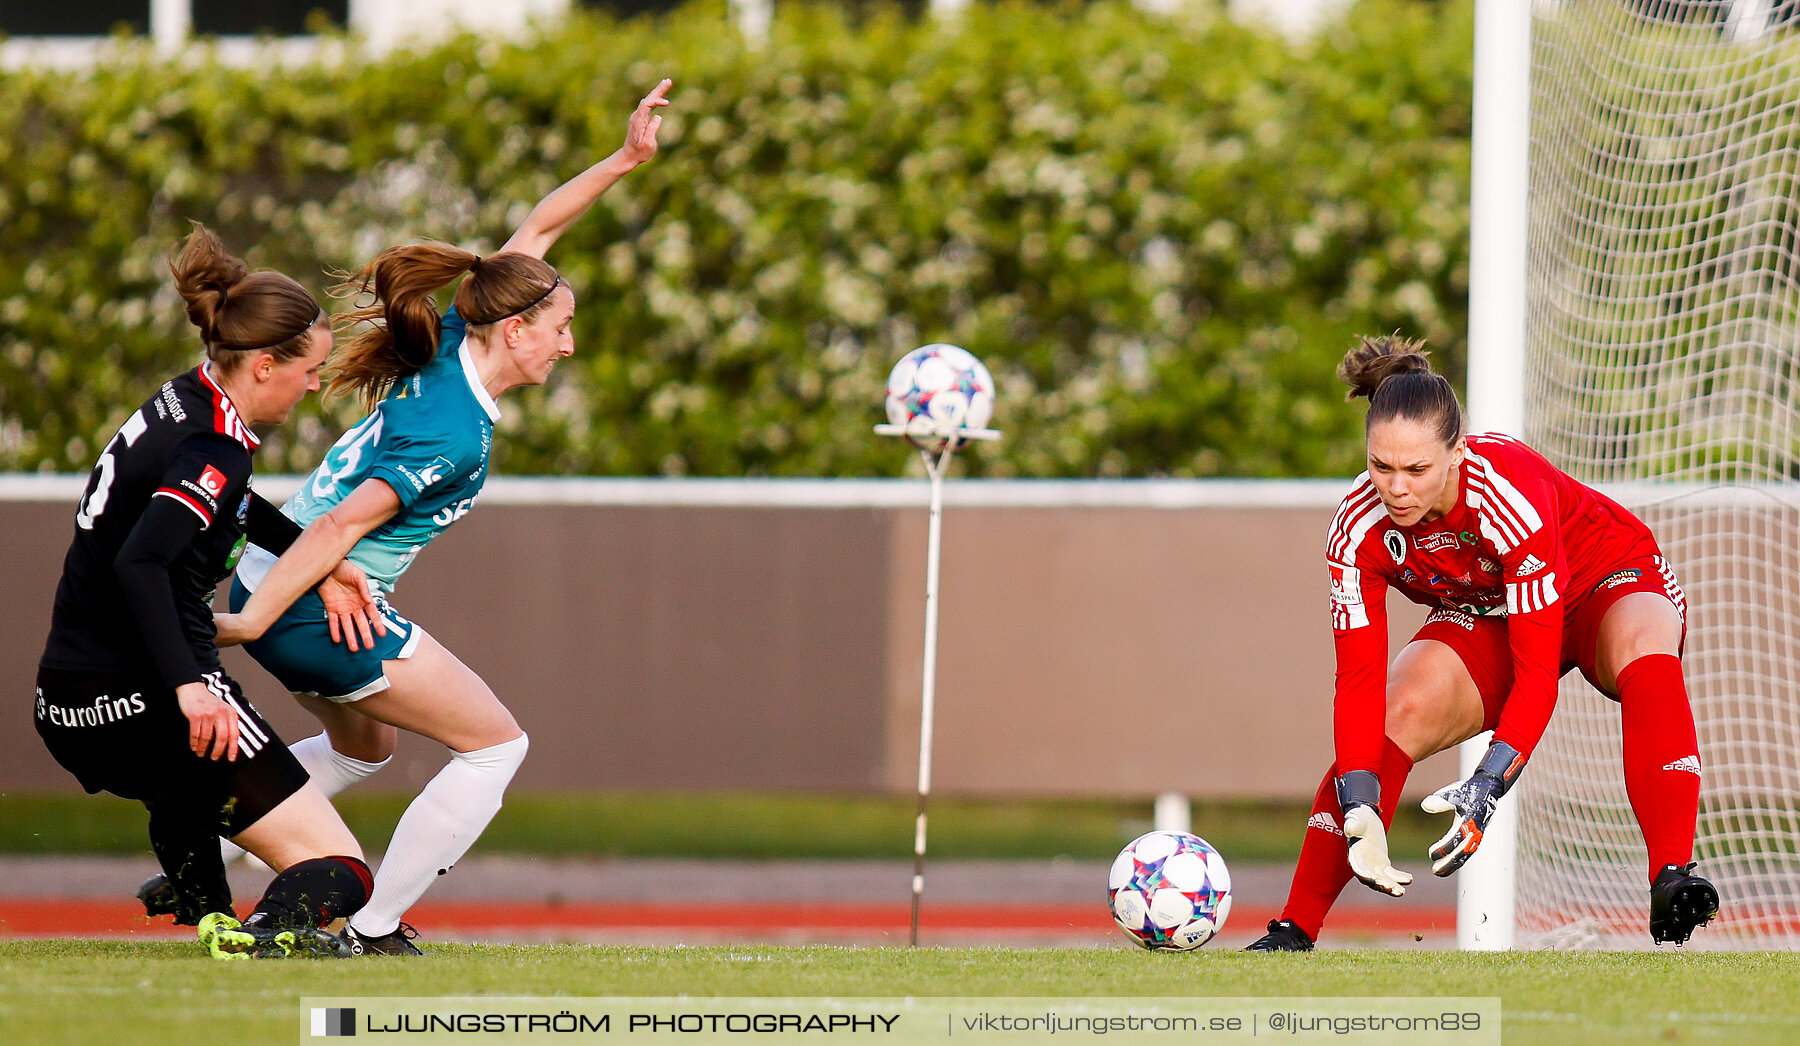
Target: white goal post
point(1496, 397)
point(1659, 321)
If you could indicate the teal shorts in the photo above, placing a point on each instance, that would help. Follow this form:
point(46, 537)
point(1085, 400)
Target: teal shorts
point(298, 650)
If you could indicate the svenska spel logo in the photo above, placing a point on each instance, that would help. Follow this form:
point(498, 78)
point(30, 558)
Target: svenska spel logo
point(328, 1021)
point(213, 480)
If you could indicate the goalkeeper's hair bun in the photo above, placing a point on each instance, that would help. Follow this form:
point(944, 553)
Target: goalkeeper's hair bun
point(1374, 360)
point(1395, 375)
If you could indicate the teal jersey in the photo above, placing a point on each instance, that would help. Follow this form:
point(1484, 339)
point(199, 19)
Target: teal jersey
point(428, 439)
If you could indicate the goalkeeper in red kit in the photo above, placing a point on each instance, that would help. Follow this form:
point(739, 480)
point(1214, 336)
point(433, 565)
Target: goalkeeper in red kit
point(1528, 574)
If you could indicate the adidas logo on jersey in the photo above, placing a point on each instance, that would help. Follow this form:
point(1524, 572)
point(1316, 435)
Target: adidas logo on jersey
point(1690, 763)
point(1324, 822)
point(1531, 566)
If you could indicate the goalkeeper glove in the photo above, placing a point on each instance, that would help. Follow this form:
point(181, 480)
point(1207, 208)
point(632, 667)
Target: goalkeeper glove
point(1359, 794)
point(1473, 801)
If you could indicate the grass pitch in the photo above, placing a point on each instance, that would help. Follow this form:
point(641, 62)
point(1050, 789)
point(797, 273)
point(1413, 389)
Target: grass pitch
point(111, 993)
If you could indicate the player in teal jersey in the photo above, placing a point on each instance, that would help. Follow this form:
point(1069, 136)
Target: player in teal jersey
point(411, 468)
point(428, 440)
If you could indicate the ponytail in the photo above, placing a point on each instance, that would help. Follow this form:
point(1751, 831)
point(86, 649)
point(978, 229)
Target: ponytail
point(402, 327)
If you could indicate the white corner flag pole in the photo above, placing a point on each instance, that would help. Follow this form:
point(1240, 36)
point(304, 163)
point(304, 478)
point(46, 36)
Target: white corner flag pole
point(928, 690)
point(935, 467)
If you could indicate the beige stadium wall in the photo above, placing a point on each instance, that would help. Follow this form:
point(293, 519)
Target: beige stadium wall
point(1097, 638)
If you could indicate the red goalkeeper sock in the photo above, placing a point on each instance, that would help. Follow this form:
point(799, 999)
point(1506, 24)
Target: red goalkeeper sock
point(1324, 866)
point(1662, 757)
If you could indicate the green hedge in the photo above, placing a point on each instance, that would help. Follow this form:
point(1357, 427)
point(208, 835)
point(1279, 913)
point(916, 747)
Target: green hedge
point(1160, 234)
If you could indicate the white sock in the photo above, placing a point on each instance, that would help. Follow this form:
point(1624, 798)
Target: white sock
point(437, 829)
point(330, 769)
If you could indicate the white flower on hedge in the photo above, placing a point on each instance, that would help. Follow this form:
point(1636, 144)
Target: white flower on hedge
point(1415, 298)
point(854, 298)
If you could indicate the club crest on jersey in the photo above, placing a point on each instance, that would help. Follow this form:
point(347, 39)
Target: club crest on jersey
point(1433, 542)
point(1396, 545)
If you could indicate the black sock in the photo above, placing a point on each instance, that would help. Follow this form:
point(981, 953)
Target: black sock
point(313, 893)
point(186, 842)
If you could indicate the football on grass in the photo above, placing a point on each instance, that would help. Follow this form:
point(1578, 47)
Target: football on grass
point(1169, 891)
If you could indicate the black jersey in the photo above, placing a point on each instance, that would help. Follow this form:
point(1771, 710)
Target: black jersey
point(162, 522)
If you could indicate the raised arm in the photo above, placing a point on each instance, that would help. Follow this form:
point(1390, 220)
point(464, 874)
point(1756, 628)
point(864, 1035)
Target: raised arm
point(319, 548)
point(569, 201)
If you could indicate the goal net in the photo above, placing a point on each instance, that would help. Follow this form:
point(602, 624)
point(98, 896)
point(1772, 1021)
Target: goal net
point(1663, 365)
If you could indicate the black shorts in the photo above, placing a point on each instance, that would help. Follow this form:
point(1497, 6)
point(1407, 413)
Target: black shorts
point(126, 735)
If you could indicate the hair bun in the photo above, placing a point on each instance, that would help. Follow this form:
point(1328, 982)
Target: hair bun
point(1374, 360)
point(204, 274)
point(269, 311)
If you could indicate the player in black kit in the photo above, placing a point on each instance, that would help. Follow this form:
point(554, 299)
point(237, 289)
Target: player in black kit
point(131, 698)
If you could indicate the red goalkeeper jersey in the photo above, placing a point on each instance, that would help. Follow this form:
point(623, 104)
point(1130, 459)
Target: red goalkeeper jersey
point(1524, 540)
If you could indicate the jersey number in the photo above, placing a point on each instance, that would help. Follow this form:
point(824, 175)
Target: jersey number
point(366, 434)
point(95, 502)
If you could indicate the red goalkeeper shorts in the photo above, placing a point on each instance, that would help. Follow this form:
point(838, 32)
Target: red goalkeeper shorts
point(1482, 642)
